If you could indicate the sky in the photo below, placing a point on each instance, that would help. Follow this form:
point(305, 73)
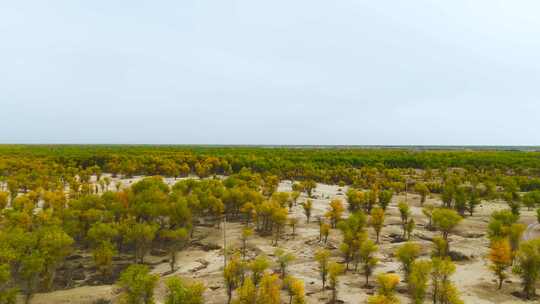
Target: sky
point(280, 72)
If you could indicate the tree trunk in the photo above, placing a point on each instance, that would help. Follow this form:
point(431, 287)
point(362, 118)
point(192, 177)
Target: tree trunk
point(173, 260)
point(367, 278)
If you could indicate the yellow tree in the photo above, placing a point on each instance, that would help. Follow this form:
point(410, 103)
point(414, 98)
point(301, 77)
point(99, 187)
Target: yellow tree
point(279, 219)
point(334, 271)
point(323, 258)
point(335, 212)
point(293, 222)
point(293, 199)
point(377, 221)
point(4, 196)
point(443, 289)
point(405, 214)
point(232, 273)
point(527, 266)
point(423, 191)
point(500, 256)
point(307, 206)
point(367, 258)
point(283, 259)
point(247, 293)
point(386, 290)
point(295, 290)
point(246, 234)
point(258, 268)
point(269, 290)
point(324, 231)
point(417, 283)
point(515, 235)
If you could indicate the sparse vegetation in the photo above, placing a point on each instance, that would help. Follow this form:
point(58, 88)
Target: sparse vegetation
point(106, 208)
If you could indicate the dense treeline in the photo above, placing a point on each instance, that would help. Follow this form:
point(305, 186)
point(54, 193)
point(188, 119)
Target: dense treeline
point(320, 164)
point(55, 200)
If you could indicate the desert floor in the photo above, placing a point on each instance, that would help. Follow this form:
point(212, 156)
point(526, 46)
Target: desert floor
point(473, 278)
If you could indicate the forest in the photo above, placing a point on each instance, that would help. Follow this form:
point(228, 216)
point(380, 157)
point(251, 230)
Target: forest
point(148, 224)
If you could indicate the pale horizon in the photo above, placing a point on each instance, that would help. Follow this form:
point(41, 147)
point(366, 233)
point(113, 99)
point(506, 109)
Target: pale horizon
point(457, 73)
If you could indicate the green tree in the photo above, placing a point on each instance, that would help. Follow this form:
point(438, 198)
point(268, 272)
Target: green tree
point(385, 197)
point(443, 290)
point(334, 271)
point(102, 232)
point(103, 258)
point(294, 199)
point(448, 195)
point(355, 199)
point(102, 237)
point(417, 283)
point(530, 199)
point(354, 234)
point(367, 258)
point(258, 267)
point(8, 294)
point(407, 254)
point(323, 259)
point(271, 183)
point(500, 223)
point(411, 224)
point(31, 266)
point(246, 234)
point(279, 220)
point(282, 198)
point(527, 266)
point(138, 285)
point(55, 246)
point(293, 222)
point(175, 240)
point(308, 186)
point(405, 214)
point(180, 291)
point(473, 201)
point(427, 210)
point(307, 206)
point(512, 199)
point(423, 190)
point(515, 235)
point(440, 247)
point(460, 201)
point(377, 221)
point(233, 273)
point(141, 235)
point(445, 220)
point(283, 259)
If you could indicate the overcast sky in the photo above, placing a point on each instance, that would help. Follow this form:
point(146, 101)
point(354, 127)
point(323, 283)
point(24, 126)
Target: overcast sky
point(270, 72)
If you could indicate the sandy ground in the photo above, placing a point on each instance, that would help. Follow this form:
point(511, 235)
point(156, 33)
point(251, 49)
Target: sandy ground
point(473, 278)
